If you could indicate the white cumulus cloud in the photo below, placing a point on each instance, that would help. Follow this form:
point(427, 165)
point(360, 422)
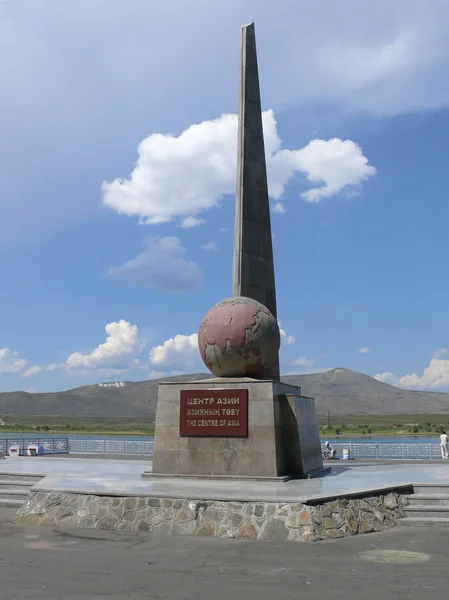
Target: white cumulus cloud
point(180, 352)
point(119, 352)
point(190, 222)
point(336, 164)
point(303, 361)
point(210, 247)
point(37, 369)
point(364, 350)
point(386, 377)
point(288, 339)
point(434, 377)
point(10, 361)
point(162, 266)
point(278, 207)
point(440, 353)
point(179, 177)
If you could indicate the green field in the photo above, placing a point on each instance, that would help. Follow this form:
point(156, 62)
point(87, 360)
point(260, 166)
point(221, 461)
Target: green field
point(344, 425)
point(51, 424)
point(356, 425)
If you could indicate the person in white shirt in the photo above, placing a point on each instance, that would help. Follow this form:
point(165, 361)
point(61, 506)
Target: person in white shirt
point(444, 441)
point(329, 452)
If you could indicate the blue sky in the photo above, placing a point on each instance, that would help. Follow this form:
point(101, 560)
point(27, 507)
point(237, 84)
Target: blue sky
point(117, 171)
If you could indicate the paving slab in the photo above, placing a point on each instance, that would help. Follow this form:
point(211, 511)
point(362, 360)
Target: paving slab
point(122, 477)
point(42, 563)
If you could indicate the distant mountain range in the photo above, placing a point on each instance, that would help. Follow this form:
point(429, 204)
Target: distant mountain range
point(341, 391)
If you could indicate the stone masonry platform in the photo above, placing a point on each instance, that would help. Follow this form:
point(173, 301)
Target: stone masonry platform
point(101, 494)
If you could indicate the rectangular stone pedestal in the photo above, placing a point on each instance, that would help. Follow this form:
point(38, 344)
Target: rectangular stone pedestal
point(281, 439)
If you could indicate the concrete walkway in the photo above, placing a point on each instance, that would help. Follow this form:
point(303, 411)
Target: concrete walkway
point(41, 563)
point(124, 478)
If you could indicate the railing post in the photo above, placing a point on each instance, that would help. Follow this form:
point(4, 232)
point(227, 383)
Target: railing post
point(430, 450)
point(403, 451)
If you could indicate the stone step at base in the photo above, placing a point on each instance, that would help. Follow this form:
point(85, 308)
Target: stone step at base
point(28, 483)
point(34, 477)
point(10, 503)
point(427, 499)
point(432, 488)
point(441, 523)
point(428, 511)
point(13, 493)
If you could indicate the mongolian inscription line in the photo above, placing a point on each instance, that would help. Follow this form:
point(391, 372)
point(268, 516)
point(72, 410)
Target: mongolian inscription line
point(213, 413)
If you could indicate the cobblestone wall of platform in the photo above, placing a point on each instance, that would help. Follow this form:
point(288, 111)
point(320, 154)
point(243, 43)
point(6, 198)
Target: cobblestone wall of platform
point(250, 520)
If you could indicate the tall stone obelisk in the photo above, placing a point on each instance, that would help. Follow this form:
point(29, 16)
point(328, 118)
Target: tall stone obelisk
point(253, 268)
point(244, 422)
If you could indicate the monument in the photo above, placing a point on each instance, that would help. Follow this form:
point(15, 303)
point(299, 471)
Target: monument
point(243, 423)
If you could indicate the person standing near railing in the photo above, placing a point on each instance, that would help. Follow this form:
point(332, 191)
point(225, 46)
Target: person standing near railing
point(444, 442)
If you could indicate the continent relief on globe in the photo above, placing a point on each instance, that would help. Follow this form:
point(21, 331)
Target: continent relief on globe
point(239, 337)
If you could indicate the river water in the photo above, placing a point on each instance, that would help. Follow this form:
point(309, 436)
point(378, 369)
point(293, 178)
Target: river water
point(399, 439)
point(71, 436)
point(385, 439)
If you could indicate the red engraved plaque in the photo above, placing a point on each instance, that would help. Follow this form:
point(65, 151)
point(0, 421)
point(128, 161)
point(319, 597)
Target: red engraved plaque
point(213, 413)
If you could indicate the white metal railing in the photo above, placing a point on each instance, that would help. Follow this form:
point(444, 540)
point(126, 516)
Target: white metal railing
point(361, 450)
point(90, 446)
point(50, 446)
point(388, 450)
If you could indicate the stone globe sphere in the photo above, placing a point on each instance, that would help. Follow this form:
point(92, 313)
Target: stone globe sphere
point(239, 337)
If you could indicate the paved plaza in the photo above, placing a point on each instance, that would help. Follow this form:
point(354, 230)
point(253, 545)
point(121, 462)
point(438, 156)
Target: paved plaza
point(43, 563)
point(124, 478)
